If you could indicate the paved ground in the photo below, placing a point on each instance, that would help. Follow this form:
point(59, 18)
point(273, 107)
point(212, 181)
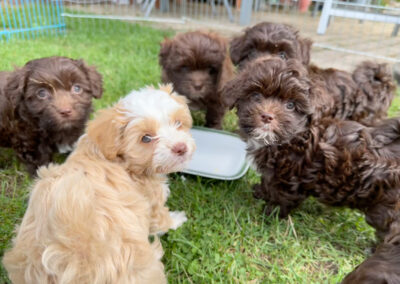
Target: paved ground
point(361, 40)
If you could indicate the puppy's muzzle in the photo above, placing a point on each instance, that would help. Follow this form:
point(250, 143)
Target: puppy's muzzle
point(180, 149)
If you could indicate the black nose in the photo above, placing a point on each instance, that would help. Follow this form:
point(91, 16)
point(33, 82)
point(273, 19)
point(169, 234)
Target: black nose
point(198, 87)
point(65, 112)
point(266, 118)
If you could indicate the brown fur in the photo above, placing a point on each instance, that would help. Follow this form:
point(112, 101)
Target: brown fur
point(198, 60)
point(36, 127)
point(383, 266)
point(364, 96)
point(89, 219)
point(341, 163)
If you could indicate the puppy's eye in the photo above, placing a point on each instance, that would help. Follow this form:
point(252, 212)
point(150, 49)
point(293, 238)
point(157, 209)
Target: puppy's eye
point(178, 123)
point(42, 93)
point(184, 68)
point(76, 89)
point(282, 55)
point(256, 96)
point(290, 105)
point(212, 70)
point(146, 138)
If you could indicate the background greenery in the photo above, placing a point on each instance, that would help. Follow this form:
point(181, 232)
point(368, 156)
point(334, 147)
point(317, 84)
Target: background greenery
point(227, 239)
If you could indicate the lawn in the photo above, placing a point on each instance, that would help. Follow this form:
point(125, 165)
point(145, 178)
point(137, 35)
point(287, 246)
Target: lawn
point(227, 239)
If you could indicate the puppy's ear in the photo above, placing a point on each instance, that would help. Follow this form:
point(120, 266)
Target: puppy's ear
point(105, 131)
point(166, 47)
point(227, 72)
point(237, 49)
point(15, 86)
point(305, 50)
point(94, 77)
point(231, 93)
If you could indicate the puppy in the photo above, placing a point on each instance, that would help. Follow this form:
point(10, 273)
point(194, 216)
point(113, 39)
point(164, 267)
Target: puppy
point(383, 265)
point(89, 219)
point(198, 65)
point(340, 163)
point(364, 96)
point(44, 107)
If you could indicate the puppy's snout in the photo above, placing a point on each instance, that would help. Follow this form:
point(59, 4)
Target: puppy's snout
point(180, 149)
point(266, 117)
point(65, 112)
point(198, 86)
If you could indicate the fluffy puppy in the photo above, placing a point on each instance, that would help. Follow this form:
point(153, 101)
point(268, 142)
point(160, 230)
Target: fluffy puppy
point(381, 268)
point(341, 163)
point(269, 38)
point(198, 65)
point(364, 96)
point(89, 219)
point(44, 107)
point(383, 265)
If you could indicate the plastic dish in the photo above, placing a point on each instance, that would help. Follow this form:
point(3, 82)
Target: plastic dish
point(219, 154)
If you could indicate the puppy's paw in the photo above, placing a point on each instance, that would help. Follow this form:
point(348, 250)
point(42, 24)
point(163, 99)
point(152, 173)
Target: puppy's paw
point(178, 218)
point(258, 192)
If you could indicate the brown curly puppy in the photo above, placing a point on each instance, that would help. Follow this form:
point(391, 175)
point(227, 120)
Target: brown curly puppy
point(341, 163)
point(44, 107)
point(381, 268)
point(364, 96)
point(198, 65)
point(383, 265)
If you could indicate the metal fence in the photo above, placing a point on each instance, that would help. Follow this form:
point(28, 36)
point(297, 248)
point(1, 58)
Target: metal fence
point(348, 31)
point(30, 18)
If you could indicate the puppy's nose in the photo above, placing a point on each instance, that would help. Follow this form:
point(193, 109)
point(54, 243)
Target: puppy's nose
point(180, 149)
point(266, 118)
point(65, 112)
point(198, 86)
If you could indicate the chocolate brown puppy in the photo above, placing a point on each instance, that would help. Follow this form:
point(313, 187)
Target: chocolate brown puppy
point(44, 107)
point(299, 154)
point(198, 65)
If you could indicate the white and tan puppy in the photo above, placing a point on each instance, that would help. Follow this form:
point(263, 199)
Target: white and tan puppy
point(88, 220)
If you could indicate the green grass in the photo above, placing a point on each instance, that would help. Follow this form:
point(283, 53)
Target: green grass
point(227, 239)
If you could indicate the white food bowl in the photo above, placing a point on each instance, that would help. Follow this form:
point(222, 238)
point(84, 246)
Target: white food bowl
point(219, 154)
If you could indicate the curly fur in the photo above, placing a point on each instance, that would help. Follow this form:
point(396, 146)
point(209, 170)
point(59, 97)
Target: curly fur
point(89, 219)
point(376, 86)
point(341, 163)
point(198, 65)
point(364, 96)
point(36, 127)
point(382, 267)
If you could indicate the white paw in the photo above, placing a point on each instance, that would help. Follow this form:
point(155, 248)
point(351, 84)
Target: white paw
point(178, 218)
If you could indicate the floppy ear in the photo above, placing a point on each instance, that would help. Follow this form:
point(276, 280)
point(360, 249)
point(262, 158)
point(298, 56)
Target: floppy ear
point(166, 47)
point(237, 49)
point(227, 72)
point(94, 77)
point(15, 86)
point(305, 50)
point(231, 92)
point(105, 131)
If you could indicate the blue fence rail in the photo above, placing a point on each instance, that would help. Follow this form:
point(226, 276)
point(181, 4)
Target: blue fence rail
point(27, 19)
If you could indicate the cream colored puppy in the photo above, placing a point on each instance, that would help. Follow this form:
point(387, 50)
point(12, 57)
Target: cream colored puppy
point(89, 219)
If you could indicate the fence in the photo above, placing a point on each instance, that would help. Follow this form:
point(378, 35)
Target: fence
point(30, 18)
point(349, 38)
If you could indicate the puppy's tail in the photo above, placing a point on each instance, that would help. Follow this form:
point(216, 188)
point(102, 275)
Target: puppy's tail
point(376, 86)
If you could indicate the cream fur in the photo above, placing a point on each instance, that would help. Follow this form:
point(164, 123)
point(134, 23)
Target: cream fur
point(89, 219)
